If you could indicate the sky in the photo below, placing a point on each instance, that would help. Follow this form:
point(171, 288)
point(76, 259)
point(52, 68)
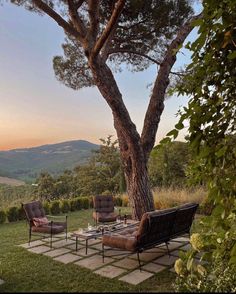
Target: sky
point(36, 109)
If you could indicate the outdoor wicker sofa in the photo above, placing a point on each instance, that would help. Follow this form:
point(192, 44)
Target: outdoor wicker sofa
point(155, 228)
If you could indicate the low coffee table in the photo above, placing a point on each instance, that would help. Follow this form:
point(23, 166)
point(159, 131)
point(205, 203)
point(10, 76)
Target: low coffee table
point(96, 233)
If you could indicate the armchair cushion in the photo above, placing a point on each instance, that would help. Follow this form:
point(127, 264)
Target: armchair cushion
point(48, 229)
point(104, 216)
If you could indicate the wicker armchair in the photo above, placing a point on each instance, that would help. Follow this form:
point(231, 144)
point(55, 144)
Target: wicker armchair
point(39, 223)
point(155, 228)
point(103, 209)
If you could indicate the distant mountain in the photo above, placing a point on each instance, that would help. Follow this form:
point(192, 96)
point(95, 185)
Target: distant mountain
point(27, 163)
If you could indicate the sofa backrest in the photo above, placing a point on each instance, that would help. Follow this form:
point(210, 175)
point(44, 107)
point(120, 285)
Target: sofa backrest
point(103, 203)
point(155, 226)
point(184, 218)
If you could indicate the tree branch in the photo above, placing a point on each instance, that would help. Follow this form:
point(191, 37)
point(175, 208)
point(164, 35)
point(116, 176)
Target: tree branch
point(76, 20)
point(78, 4)
point(54, 15)
point(111, 23)
point(156, 104)
point(93, 11)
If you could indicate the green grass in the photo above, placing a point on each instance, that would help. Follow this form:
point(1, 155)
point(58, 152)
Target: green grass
point(24, 271)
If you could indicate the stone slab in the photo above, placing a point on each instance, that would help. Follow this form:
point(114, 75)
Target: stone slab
point(166, 260)
point(57, 252)
point(153, 267)
point(147, 256)
point(67, 258)
point(136, 277)
point(1, 281)
point(32, 244)
point(110, 271)
point(62, 243)
point(186, 247)
point(82, 251)
point(39, 249)
point(49, 239)
point(127, 263)
point(94, 262)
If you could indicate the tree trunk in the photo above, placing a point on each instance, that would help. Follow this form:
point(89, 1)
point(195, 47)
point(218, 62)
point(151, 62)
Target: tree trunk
point(133, 159)
point(138, 188)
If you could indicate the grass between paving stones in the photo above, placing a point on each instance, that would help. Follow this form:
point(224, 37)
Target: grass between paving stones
point(24, 271)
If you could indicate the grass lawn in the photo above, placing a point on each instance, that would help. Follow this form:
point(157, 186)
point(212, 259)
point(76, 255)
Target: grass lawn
point(24, 271)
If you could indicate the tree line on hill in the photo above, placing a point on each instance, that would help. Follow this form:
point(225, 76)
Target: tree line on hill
point(103, 174)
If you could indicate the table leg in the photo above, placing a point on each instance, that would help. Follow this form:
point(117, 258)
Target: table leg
point(86, 246)
point(76, 244)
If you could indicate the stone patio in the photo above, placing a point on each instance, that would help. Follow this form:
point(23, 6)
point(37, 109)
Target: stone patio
point(123, 267)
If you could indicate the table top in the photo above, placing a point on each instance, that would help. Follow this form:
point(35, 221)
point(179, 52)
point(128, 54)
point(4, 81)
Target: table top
point(103, 229)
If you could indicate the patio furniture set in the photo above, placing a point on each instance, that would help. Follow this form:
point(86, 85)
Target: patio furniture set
point(154, 228)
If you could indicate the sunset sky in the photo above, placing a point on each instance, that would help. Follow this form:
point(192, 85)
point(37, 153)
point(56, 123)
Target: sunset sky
point(36, 109)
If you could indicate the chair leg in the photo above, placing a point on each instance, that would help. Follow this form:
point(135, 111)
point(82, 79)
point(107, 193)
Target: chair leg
point(51, 237)
point(139, 261)
point(103, 253)
point(167, 248)
point(66, 228)
point(30, 233)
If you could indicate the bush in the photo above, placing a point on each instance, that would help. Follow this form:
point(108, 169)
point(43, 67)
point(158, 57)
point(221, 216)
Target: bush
point(46, 207)
point(55, 207)
point(85, 202)
point(125, 201)
point(3, 216)
point(73, 204)
point(65, 206)
point(12, 214)
point(118, 201)
point(21, 213)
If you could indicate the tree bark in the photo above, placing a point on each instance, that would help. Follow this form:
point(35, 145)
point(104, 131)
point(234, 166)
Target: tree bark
point(132, 156)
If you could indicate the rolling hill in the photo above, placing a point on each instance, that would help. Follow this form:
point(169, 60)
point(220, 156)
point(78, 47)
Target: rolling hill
point(27, 163)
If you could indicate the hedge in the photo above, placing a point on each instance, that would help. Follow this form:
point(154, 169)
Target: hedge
point(3, 216)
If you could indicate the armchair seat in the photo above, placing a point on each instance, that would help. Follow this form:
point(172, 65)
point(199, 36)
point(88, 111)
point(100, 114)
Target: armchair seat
point(104, 216)
point(48, 229)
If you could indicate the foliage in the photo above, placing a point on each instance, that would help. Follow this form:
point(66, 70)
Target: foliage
point(55, 207)
point(168, 164)
point(3, 216)
point(46, 207)
point(212, 137)
point(12, 214)
point(65, 205)
point(21, 213)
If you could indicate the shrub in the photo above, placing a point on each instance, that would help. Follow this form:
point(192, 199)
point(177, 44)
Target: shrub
point(65, 206)
point(21, 213)
point(3, 216)
point(55, 207)
point(12, 214)
point(73, 204)
point(118, 201)
point(90, 202)
point(46, 206)
point(79, 203)
point(85, 202)
point(125, 200)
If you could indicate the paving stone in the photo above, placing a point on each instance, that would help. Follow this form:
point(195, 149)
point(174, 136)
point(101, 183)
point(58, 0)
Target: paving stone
point(153, 267)
point(94, 262)
point(62, 243)
point(32, 244)
point(110, 271)
point(127, 263)
point(166, 260)
point(172, 270)
point(136, 277)
point(57, 252)
point(182, 239)
point(73, 246)
point(176, 252)
point(117, 254)
point(67, 258)
point(49, 239)
point(39, 249)
point(82, 251)
point(1, 281)
point(147, 256)
point(64, 235)
point(186, 247)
